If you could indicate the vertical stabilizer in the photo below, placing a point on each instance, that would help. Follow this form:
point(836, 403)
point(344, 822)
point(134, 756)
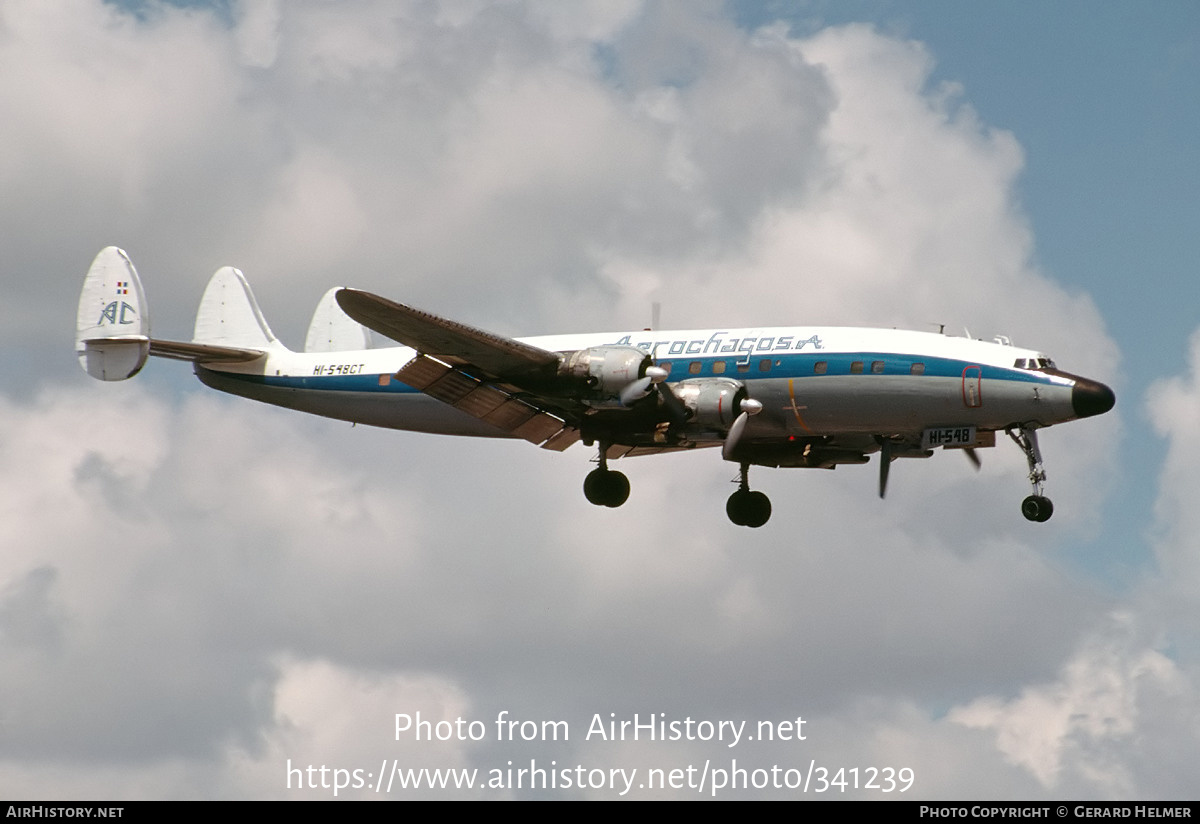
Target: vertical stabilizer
point(112, 326)
point(332, 330)
point(229, 314)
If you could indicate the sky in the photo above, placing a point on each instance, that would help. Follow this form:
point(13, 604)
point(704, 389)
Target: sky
point(202, 597)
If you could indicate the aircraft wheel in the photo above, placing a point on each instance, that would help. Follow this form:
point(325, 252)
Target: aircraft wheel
point(604, 487)
point(618, 489)
point(1037, 508)
point(760, 509)
point(746, 508)
point(736, 507)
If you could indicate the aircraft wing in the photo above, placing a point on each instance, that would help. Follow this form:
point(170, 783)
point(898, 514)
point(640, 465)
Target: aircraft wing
point(472, 370)
point(523, 416)
point(451, 342)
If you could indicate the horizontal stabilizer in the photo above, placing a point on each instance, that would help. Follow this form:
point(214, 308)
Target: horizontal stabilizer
point(112, 325)
point(450, 342)
point(332, 330)
point(202, 352)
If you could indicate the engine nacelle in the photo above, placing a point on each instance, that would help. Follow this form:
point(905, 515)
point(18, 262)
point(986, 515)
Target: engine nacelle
point(606, 374)
point(712, 403)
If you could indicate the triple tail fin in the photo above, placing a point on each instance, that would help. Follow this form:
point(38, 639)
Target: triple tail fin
point(332, 330)
point(112, 327)
point(229, 315)
point(112, 324)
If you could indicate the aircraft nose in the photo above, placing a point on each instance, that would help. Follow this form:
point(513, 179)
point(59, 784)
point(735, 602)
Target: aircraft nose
point(1090, 398)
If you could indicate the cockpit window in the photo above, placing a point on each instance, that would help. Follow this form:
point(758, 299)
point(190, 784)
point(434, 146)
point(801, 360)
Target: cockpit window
point(1033, 363)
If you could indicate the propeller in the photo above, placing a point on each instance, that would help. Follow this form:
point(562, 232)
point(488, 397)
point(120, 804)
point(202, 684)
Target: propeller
point(885, 463)
point(640, 388)
point(749, 407)
point(973, 457)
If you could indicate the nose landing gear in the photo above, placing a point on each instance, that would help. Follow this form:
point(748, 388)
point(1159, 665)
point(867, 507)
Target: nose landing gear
point(1036, 507)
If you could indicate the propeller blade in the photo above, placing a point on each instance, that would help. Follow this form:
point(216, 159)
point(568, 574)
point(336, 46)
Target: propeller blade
point(885, 463)
point(636, 391)
point(729, 448)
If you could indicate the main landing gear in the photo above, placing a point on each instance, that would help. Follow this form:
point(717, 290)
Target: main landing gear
point(604, 486)
point(746, 507)
point(1036, 507)
point(607, 487)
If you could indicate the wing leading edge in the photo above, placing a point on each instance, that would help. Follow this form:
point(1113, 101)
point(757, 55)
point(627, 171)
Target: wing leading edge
point(470, 369)
point(451, 342)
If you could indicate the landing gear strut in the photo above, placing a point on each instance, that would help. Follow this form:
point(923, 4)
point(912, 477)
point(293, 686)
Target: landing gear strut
point(745, 507)
point(1036, 507)
point(604, 486)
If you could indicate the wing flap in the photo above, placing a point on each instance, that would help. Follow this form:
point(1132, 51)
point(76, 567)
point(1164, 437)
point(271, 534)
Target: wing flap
point(452, 343)
point(563, 440)
point(486, 402)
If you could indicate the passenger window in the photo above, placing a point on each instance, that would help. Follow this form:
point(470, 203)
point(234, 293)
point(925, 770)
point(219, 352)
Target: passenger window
point(856, 368)
point(877, 367)
point(718, 367)
point(917, 369)
point(764, 365)
point(744, 367)
point(820, 367)
point(694, 367)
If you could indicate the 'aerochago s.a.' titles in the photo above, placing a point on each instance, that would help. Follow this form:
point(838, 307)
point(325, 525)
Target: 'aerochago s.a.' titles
point(801, 396)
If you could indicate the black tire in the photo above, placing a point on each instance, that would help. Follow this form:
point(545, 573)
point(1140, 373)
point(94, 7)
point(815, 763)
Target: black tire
point(604, 487)
point(1037, 508)
point(759, 509)
point(747, 508)
point(737, 507)
point(1047, 511)
point(617, 491)
point(593, 487)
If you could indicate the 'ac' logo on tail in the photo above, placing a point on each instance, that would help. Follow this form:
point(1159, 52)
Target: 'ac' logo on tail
point(117, 312)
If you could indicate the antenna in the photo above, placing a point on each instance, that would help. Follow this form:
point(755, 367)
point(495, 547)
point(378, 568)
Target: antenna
point(655, 315)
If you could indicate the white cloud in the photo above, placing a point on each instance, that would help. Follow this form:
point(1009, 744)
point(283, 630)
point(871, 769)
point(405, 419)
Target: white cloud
point(194, 589)
point(1174, 407)
point(1086, 732)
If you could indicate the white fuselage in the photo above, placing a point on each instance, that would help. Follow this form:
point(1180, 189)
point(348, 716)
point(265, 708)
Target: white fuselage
point(812, 381)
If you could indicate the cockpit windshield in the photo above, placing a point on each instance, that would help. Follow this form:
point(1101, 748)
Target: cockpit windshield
point(1034, 363)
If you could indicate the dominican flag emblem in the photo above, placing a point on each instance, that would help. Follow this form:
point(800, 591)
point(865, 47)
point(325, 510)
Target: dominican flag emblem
point(122, 287)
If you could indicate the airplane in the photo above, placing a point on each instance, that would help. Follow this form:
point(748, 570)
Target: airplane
point(798, 396)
